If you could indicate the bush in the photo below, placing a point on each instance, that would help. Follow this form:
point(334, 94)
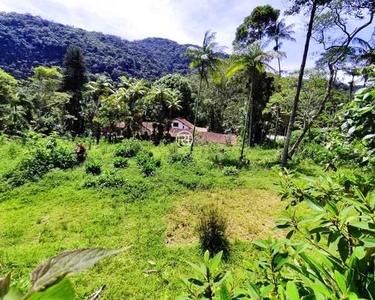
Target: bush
point(176, 157)
point(230, 171)
point(42, 158)
point(128, 148)
point(223, 156)
point(147, 163)
point(93, 167)
point(106, 180)
point(212, 232)
point(120, 162)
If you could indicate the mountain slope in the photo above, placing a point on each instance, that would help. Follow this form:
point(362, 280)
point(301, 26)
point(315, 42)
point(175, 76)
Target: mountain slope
point(27, 41)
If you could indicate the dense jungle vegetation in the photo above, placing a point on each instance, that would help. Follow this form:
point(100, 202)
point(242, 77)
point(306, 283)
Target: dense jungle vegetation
point(287, 213)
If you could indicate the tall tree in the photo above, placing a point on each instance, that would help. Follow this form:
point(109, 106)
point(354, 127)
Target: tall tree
point(278, 32)
point(73, 82)
point(256, 25)
point(333, 20)
point(295, 9)
point(207, 61)
point(252, 60)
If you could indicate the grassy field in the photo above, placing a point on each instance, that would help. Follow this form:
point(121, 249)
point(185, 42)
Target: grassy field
point(155, 215)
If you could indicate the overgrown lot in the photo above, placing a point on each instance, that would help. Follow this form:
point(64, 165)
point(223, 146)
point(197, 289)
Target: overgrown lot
point(155, 213)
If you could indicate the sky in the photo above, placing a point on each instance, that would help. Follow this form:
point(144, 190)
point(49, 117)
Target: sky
point(183, 21)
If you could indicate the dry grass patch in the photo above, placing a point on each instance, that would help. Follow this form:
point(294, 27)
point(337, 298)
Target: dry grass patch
point(250, 213)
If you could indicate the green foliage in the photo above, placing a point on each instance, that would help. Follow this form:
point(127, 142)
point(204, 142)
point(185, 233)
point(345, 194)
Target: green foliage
point(176, 156)
point(223, 156)
point(147, 163)
point(212, 230)
point(212, 282)
point(128, 148)
point(120, 162)
point(93, 166)
point(359, 118)
point(256, 25)
point(108, 179)
point(48, 280)
point(41, 158)
point(230, 171)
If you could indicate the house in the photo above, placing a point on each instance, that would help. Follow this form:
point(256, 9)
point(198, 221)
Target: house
point(202, 133)
point(180, 124)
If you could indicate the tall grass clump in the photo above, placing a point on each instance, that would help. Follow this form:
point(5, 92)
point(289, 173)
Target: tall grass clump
point(212, 230)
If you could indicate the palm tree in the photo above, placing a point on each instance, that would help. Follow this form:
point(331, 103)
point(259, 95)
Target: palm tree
point(206, 60)
point(173, 103)
point(132, 92)
point(280, 31)
point(252, 60)
point(366, 54)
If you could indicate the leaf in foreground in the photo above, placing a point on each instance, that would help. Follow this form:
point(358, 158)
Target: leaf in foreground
point(56, 268)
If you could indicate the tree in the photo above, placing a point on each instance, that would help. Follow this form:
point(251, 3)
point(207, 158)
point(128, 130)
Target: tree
point(253, 60)
point(280, 31)
point(94, 94)
point(73, 82)
point(181, 84)
point(257, 25)
point(8, 90)
point(293, 114)
point(48, 103)
point(206, 60)
point(334, 19)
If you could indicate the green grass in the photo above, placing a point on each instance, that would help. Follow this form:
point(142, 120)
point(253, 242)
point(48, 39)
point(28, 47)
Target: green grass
point(155, 215)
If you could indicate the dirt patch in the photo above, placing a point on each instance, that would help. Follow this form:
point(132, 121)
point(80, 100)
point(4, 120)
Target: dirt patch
point(250, 213)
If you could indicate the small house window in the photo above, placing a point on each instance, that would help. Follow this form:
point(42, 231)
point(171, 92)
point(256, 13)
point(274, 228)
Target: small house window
point(175, 124)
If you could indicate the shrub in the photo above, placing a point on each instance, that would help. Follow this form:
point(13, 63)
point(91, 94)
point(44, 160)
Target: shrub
point(147, 163)
point(183, 158)
point(230, 171)
point(223, 156)
point(93, 167)
point(41, 159)
point(106, 180)
point(120, 162)
point(128, 148)
point(212, 232)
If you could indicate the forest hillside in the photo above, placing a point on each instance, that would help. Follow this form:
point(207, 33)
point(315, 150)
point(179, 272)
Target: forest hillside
point(27, 41)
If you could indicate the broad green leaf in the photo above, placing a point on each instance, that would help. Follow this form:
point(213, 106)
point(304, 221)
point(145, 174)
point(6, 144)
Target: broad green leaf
point(314, 204)
point(61, 291)
point(206, 257)
point(214, 263)
point(200, 269)
point(368, 242)
point(359, 252)
point(372, 199)
point(56, 268)
point(260, 243)
point(341, 282)
point(254, 291)
point(292, 291)
point(224, 294)
point(4, 285)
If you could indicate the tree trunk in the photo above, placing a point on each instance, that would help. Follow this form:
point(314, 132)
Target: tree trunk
point(320, 110)
point(299, 85)
point(251, 115)
point(196, 112)
point(246, 119)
